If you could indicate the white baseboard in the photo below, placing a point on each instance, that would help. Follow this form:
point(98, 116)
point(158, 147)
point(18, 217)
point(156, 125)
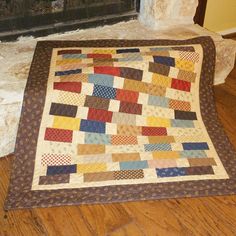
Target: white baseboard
point(228, 31)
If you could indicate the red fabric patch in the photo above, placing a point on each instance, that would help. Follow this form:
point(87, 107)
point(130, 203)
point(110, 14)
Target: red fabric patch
point(181, 85)
point(58, 135)
point(132, 108)
point(127, 96)
point(99, 55)
point(107, 70)
point(99, 115)
point(68, 86)
point(154, 131)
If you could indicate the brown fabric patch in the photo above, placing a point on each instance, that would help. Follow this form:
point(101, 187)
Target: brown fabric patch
point(185, 115)
point(156, 90)
point(129, 174)
point(179, 105)
point(165, 154)
point(129, 130)
point(186, 76)
point(131, 108)
point(159, 68)
point(125, 157)
point(131, 73)
point(86, 149)
point(201, 162)
point(188, 49)
point(103, 176)
point(74, 78)
point(161, 139)
point(96, 102)
point(99, 62)
point(63, 110)
point(203, 170)
point(61, 52)
point(54, 179)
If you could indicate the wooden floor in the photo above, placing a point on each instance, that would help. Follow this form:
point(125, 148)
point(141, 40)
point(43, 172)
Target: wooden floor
point(213, 216)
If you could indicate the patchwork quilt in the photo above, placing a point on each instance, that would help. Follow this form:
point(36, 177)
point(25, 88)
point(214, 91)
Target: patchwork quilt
point(114, 120)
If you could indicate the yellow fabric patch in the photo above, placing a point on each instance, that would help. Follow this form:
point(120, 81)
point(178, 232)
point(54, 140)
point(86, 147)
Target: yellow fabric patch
point(91, 168)
point(184, 65)
point(161, 80)
point(161, 139)
point(66, 123)
point(104, 51)
point(74, 78)
point(158, 122)
point(86, 149)
point(68, 61)
point(165, 154)
point(136, 86)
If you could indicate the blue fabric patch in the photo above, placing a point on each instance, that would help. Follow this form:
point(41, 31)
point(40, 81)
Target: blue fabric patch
point(158, 101)
point(195, 146)
point(76, 56)
point(68, 72)
point(104, 92)
point(169, 61)
point(66, 169)
point(161, 49)
point(171, 172)
point(94, 138)
point(127, 50)
point(182, 123)
point(157, 147)
point(92, 126)
point(131, 57)
point(193, 154)
point(133, 165)
point(101, 79)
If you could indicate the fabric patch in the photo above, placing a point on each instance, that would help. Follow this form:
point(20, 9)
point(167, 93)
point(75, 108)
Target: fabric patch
point(92, 126)
point(54, 170)
point(104, 92)
point(130, 73)
point(68, 86)
point(132, 108)
point(58, 135)
point(96, 102)
point(54, 179)
point(169, 61)
point(63, 110)
point(159, 68)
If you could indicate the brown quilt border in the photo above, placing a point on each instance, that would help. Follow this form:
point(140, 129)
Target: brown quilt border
point(20, 194)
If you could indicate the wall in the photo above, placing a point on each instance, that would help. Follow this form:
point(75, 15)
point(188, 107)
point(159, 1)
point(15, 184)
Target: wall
point(221, 15)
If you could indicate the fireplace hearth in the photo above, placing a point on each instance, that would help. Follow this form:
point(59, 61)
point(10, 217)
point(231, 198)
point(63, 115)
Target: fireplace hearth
point(42, 17)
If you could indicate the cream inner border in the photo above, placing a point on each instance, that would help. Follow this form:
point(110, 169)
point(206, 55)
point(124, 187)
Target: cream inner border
point(76, 180)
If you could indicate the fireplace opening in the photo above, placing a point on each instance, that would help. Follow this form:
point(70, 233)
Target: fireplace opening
point(42, 17)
